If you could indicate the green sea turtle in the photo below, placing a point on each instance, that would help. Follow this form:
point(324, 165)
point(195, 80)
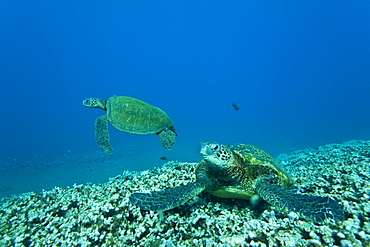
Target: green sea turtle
point(133, 116)
point(241, 171)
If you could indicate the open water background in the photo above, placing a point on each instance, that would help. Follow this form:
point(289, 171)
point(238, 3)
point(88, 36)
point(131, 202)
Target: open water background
point(298, 70)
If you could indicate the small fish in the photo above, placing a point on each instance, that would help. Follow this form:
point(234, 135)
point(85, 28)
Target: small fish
point(236, 107)
point(163, 158)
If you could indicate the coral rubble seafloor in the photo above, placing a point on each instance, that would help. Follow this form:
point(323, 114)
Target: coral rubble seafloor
point(101, 215)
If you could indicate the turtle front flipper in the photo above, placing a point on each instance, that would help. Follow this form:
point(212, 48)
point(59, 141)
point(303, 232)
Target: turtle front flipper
point(314, 208)
point(102, 134)
point(166, 199)
point(167, 138)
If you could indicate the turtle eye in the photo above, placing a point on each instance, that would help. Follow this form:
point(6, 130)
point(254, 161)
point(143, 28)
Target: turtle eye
point(215, 147)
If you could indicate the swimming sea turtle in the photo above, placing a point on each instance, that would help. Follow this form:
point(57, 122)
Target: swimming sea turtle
point(241, 171)
point(133, 116)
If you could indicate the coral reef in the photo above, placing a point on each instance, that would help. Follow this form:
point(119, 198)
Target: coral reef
point(100, 215)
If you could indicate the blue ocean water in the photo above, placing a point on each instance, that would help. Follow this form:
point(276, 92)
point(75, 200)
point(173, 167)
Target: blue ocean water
point(299, 72)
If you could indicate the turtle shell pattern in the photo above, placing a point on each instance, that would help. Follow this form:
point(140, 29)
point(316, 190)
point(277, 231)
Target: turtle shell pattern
point(135, 116)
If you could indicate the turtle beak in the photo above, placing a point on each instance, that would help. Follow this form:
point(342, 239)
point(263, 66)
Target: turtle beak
point(205, 149)
point(86, 102)
point(89, 102)
point(209, 149)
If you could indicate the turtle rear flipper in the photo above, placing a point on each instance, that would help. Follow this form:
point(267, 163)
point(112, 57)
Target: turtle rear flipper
point(314, 208)
point(166, 199)
point(102, 134)
point(167, 138)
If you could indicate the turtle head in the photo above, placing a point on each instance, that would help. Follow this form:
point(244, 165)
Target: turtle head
point(216, 153)
point(95, 103)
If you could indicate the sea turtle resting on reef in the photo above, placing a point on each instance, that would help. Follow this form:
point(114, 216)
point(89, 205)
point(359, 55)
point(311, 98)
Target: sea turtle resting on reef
point(133, 116)
point(241, 171)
